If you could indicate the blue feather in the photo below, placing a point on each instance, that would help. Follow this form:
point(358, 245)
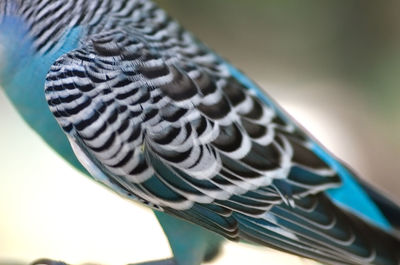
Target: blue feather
point(26, 91)
point(350, 194)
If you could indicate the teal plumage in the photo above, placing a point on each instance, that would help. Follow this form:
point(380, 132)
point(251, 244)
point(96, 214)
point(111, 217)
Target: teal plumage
point(156, 116)
point(25, 90)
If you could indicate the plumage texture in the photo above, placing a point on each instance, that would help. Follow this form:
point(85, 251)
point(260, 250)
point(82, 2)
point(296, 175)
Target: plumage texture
point(129, 107)
point(159, 118)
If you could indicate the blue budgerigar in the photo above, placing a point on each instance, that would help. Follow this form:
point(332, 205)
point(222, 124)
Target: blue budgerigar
point(159, 118)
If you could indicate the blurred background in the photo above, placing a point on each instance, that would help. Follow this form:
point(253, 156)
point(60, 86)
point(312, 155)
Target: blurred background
point(333, 65)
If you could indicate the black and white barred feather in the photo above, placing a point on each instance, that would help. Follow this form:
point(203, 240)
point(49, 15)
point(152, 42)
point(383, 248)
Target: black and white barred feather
point(124, 95)
point(159, 118)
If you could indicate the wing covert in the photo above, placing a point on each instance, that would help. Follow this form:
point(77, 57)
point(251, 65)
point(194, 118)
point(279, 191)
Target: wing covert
point(124, 102)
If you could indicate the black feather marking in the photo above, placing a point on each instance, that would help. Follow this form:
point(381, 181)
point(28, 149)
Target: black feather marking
point(238, 169)
point(256, 112)
point(78, 108)
point(200, 125)
point(172, 113)
point(254, 130)
point(122, 96)
point(229, 139)
point(167, 136)
point(83, 124)
point(263, 157)
point(304, 156)
point(216, 111)
point(234, 91)
point(140, 168)
point(106, 145)
point(154, 72)
point(181, 88)
point(124, 160)
point(206, 84)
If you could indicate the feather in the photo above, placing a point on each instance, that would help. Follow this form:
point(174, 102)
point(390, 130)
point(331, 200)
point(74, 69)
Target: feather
point(158, 117)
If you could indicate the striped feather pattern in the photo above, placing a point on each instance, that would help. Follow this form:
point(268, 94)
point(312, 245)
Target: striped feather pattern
point(129, 103)
point(157, 117)
point(50, 20)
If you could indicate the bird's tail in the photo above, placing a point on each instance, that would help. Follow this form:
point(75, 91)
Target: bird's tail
point(388, 207)
point(319, 229)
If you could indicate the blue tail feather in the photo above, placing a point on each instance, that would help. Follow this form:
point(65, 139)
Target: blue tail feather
point(351, 194)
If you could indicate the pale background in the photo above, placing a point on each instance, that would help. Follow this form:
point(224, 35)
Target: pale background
point(334, 65)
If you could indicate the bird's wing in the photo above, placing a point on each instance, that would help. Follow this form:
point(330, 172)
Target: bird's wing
point(179, 132)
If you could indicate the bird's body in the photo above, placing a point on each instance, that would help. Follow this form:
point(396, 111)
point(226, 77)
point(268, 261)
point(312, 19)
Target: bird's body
point(159, 118)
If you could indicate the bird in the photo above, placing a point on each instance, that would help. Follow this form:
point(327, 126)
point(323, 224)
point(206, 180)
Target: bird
point(126, 95)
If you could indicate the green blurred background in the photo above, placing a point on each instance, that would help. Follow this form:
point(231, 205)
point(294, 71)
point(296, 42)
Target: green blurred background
point(334, 65)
